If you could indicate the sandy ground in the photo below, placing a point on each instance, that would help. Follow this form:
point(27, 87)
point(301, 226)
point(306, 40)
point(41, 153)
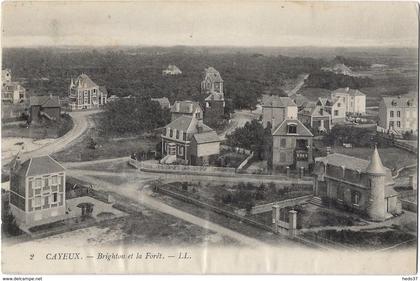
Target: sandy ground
point(11, 146)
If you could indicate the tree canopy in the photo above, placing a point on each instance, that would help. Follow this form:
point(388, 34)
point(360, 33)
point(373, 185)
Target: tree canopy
point(133, 116)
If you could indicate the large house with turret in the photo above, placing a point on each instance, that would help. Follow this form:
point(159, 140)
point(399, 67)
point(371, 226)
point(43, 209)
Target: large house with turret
point(86, 94)
point(361, 186)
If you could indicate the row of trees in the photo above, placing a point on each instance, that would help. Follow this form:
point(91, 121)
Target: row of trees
point(252, 136)
point(139, 72)
point(132, 116)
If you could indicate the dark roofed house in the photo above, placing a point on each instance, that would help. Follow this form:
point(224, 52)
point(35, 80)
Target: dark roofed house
point(292, 146)
point(362, 186)
point(163, 102)
point(47, 107)
point(37, 190)
point(186, 108)
point(316, 117)
point(187, 140)
point(86, 94)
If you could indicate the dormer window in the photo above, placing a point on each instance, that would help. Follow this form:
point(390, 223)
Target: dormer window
point(291, 129)
point(394, 103)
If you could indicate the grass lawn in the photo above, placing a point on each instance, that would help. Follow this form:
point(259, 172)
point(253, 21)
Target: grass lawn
point(107, 148)
point(38, 131)
point(310, 216)
point(234, 197)
point(392, 157)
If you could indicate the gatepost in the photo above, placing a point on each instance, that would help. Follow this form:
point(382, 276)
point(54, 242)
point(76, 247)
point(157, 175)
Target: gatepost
point(276, 218)
point(292, 223)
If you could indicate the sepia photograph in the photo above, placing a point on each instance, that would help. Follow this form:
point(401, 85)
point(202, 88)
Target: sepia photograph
point(209, 137)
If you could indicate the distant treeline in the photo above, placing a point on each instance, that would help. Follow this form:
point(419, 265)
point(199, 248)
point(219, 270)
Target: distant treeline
point(331, 81)
point(246, 76)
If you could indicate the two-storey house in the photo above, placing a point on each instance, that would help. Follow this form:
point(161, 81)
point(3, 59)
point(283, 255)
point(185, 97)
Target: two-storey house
point(86, 94)
point(398, 114)
point(354, 100)
point(37, 190)
point(335, 107)
point(187, 140)
point(11, 92)
point(315, 117)
point(292, 146)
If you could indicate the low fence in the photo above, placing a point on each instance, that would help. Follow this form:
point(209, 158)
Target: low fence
point(184, 169)
point(397, 143)
point(283, 204)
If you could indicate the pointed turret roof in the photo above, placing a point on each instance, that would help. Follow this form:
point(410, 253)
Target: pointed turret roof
point(375, 166)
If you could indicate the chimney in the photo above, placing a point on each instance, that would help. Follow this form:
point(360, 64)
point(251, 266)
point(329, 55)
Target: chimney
point(177, 106)
point(347, 89)
point(190, 107)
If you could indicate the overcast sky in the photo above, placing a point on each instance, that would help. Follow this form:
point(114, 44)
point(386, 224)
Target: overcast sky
point(210, 23)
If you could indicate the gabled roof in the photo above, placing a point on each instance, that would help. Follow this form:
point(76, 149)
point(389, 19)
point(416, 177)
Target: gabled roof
point(351, 92)
point(300, 100)
point(83, 81)
point(212, 74)
point(164, 102)
point(44, 101)
point(187, 107)
point(314, 111)
point(400, 101)
point(40, 165)
point(206, 137)
point(188, 124)
point(301, 130)
point(215, 96)
point(276, 101)
point(182, 123)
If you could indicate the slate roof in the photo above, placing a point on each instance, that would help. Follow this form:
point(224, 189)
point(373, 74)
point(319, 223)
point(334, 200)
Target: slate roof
point(44, 101)
point(188, 124)
point(300, 100)
point(301, 130)
point(185, 107)
point(83, 81)
point(400, 101)
point(206, 137)
point(39, 166)
point(351, 163)
point(351, 92)
point(314, 111)
point(276, 101)
point(212, 74)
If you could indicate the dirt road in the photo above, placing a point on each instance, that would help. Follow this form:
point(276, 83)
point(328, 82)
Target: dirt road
point(132, 191)
point(81, 123)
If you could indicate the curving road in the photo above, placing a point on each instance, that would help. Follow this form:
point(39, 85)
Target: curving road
point(81, 123)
